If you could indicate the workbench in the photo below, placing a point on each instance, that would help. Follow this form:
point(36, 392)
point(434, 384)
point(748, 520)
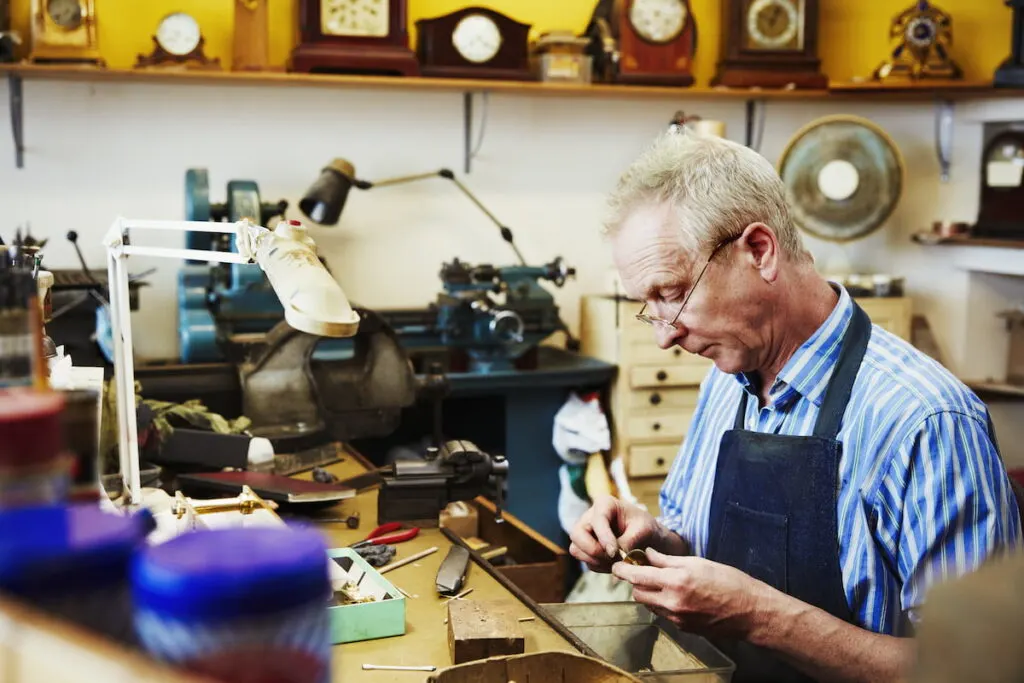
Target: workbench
point(425, 641)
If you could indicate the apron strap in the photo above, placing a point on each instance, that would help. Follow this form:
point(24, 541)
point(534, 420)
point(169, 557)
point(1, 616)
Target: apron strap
point(840, 386)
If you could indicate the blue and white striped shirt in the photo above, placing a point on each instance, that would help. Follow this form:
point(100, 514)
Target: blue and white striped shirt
point(923, 493)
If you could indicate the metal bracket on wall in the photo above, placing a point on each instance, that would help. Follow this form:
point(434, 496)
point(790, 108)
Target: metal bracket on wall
point(755, 118)
point(471, 148)
point(17, 129)
point(944, 110)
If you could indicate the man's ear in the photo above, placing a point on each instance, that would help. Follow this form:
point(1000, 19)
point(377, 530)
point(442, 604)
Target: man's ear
point(761, 248)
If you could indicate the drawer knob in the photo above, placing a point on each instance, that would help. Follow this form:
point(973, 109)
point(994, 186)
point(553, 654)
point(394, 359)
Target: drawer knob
point(677, 351)
point(660, 462)
point(662, 375)
point(655, 398)
point(656, 426)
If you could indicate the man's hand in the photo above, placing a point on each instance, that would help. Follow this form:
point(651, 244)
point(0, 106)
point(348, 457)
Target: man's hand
point(696, 594)
point(610, 524)
point(717, 600)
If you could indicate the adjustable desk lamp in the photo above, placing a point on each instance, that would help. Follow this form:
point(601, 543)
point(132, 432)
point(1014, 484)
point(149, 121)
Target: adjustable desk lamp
point(326, 197)
point(313, 302)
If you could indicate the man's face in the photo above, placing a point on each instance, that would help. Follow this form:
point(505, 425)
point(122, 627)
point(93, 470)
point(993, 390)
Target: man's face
point(724, 317)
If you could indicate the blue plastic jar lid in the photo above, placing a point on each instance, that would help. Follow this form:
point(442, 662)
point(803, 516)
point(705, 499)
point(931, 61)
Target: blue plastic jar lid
point(56, 547)
point(223, 574)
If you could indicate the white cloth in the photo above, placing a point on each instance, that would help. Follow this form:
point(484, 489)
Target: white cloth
point(581, 428)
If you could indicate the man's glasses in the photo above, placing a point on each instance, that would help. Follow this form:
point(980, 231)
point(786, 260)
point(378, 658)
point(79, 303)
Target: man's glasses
point(654, 320)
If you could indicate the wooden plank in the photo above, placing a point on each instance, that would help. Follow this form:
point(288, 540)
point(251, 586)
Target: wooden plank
point(967, 241)
point(478, 630)
point(898, 91)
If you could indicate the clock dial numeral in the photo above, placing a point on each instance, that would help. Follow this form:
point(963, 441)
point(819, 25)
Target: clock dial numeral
point(477, 38)
point(658, 21)
point(178, 34)
point(366, 18)
point(65, 13)
point(774, 25)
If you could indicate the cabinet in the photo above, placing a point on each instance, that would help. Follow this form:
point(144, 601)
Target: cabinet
point(655, 392)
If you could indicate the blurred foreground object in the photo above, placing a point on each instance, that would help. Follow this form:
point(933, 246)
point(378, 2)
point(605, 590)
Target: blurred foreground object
point(971, 628)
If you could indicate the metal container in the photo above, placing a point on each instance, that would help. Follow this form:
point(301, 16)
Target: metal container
point(630, 637)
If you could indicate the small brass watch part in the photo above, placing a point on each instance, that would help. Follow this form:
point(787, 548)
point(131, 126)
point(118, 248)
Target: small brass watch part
point(636, 557)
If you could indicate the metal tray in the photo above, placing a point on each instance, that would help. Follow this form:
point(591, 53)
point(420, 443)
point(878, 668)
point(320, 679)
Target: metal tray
point(629, 636)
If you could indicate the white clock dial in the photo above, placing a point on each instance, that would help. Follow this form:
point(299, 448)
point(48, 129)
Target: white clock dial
point(365, 18)
point(658, 21)
point(773, 23)
point(178, 34)
point(477, 38)
point(65, 13)
point(921, 32)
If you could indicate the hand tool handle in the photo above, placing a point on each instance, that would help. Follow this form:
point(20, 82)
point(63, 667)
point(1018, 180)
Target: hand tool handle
point(383, 529)
point(397, 537)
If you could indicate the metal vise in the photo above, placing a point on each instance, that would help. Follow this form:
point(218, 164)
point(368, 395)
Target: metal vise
point(417, 490)
point(495, 332)
point(219, 301)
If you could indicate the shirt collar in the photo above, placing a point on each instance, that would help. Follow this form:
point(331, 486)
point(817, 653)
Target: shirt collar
point(809, 370)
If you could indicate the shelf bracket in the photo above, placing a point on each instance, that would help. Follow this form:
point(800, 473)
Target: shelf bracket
point(755, 119)
point(17, 130)
point(944, 110)
point(467, 130)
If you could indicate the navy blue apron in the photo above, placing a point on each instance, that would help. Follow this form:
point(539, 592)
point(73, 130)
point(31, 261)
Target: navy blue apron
point(773, 510)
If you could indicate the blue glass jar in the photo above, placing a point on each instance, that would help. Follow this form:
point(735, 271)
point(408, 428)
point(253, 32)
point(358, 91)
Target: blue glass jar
point(240, 605)
point(73, 562)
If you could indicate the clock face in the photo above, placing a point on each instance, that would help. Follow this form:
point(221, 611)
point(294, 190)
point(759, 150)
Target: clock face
point(178, 34)
point(65, 13)
point(477, 38)
point(358, 18)
point(775, 25)
point(658, 21)
point(921, 32)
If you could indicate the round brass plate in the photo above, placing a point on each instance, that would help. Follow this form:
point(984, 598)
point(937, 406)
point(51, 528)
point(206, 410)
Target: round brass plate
point(844, 176)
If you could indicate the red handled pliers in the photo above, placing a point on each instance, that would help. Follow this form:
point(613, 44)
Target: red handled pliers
point(387, 534)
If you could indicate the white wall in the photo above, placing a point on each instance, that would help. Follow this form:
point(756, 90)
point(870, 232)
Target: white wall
point(95, 151)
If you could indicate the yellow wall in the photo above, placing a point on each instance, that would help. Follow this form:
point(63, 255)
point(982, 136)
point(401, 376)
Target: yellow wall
point(853, 32)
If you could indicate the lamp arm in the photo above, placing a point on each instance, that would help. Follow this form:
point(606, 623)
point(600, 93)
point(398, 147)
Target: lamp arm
point(313, 301)
point(506, 232)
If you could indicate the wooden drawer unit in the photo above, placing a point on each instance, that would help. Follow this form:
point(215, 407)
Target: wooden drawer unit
point(655, 391)
point(894, 314)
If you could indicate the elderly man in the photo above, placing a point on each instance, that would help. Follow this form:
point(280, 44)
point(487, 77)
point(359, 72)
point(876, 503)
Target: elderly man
point(831, 474)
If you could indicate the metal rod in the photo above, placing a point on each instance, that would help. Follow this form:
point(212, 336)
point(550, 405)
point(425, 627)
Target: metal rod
point(181, 226)
point(194, 254)
point(404, 179)
point(467, 128)
point(516, 591)
point(385, 667)
point(411, 558)
point(17, 118)
point(494, 219)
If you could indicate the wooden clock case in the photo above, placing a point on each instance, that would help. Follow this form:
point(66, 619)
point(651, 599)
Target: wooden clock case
point(740, 67)
point(645, 63)
point(387, 56)
point(439, 57)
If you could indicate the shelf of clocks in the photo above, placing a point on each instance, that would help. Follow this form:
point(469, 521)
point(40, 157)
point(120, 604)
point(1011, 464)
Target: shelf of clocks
point(942, 92)
point(919, 91)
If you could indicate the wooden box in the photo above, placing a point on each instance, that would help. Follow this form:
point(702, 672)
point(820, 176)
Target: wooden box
point(540, 567)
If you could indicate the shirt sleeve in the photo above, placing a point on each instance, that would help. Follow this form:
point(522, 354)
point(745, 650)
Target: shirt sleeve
point(683, 471)
point(946, 505)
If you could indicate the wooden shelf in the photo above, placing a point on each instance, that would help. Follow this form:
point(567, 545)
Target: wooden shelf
point(893, 91)
point(996, 390)
point(966, 241)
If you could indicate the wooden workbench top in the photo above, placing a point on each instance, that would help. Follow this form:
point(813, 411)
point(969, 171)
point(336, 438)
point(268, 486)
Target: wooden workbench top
point(426, 640)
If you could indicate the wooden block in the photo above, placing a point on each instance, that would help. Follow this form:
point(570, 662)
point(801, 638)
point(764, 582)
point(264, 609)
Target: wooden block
point(478, 630)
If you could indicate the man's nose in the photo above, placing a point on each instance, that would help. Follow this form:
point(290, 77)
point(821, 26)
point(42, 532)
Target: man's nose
point(668, 335)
